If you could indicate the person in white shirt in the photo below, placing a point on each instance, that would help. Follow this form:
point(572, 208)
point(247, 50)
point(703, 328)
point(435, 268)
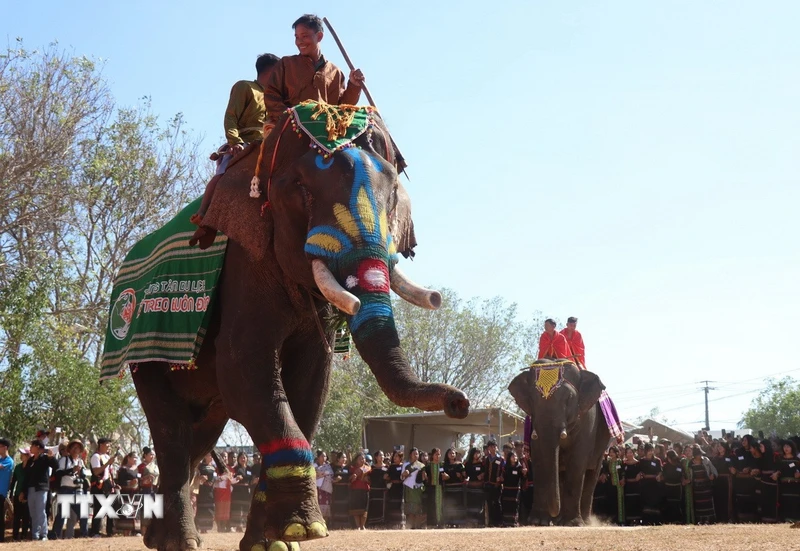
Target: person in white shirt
point(102, 483)
point(71, 480)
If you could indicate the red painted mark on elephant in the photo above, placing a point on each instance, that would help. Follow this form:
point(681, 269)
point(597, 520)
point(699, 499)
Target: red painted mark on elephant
point(283, 444)
point(373, 276)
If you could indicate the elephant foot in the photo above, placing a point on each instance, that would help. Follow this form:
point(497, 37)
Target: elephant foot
point(575, 521)
point(265, 545)
point(539, 521)
point(287, 511)
point(171, 536)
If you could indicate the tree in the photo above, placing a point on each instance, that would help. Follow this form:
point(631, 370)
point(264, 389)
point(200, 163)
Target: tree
point(81, 180)
point(776, 410)
point(473, 345)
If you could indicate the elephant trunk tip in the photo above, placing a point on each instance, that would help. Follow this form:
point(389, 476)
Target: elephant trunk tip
point(456, 405)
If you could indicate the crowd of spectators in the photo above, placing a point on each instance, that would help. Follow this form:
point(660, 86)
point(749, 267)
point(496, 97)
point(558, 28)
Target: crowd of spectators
point(29, 488)
point(657, 482)
point(707, 481)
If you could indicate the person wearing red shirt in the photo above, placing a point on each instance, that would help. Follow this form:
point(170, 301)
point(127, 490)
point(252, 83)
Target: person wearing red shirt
point(575, 342)
point(553, 345)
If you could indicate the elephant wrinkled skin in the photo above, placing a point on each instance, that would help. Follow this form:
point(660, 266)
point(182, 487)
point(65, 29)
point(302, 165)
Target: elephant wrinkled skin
point(265, 361)
point(570, 436)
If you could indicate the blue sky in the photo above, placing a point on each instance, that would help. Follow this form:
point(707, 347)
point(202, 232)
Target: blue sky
point(633, 164)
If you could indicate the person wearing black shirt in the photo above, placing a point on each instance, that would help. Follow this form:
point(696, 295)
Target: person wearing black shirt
point(475, 497)
point(767, 488)
point(723, 486)
point(37, 486)
point(240, 494)
point(674, 479)
point(340, 501)
point(376, 509)
point(788, 476)
point(745, 501)
point(632, 473)
point(454, 508)
point(395, 517)
point(204, 481)
point(493, 467)
point(513, 478)
point(650, 487)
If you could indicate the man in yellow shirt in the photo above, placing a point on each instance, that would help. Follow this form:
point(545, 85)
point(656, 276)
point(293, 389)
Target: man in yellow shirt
point(244, 123)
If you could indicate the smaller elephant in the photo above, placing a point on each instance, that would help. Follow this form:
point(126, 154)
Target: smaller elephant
point(568, 439)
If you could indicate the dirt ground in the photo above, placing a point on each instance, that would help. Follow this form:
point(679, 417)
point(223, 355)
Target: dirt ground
point(685, 538)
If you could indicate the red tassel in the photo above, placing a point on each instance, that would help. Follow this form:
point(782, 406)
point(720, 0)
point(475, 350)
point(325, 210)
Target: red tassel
point(265, 207)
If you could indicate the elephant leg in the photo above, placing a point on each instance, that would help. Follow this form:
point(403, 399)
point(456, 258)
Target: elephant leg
point(572, 490)
point(182, 432)
point(587, 495)
point(307, 388)
point(284, 506)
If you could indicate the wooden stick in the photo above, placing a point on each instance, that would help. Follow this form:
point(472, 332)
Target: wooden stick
point(401, 160)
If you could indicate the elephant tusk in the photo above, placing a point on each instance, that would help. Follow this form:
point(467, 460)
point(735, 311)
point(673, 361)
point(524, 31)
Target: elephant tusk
point(534, 435)
point(563, 434)
point(336, 294)
point(413, 293)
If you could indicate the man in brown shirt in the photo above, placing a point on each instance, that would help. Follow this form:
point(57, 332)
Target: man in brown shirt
point(308, 76)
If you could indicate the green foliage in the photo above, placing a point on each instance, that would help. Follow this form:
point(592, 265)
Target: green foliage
point(81, 180)
point(776, 410)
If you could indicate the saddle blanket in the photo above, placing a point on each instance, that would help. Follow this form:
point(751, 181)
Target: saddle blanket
point(162, 297)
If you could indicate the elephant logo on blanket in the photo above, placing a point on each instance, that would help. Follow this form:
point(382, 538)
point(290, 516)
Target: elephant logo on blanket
point(122, 314)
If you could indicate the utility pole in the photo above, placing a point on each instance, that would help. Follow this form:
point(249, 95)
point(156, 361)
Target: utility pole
point(705, 389)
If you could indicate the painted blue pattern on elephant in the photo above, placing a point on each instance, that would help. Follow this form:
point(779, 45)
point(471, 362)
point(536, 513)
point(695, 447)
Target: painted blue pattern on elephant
point(363, 180)
point(369, 311)
point(322, 164)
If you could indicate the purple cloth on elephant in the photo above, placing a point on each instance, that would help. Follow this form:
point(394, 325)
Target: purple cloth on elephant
point(612, 419)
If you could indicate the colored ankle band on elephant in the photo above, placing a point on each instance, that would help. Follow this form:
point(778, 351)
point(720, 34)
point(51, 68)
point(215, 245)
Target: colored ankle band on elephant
point(290, 471)
point(286, 451)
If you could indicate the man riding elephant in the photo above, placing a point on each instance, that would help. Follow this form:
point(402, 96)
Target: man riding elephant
point(244, 123)
point(308, 76)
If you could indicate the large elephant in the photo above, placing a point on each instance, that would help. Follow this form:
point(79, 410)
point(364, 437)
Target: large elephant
point(330, 235)
point(569, 437)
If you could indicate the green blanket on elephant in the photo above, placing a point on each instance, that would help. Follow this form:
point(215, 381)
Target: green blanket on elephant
point(331, 127)
point(162, 296)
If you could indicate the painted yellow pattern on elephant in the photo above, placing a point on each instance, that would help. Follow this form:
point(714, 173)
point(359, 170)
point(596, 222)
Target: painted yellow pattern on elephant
point(547, 380)
point(365, 212)
point(346, 220)
point(325, 241)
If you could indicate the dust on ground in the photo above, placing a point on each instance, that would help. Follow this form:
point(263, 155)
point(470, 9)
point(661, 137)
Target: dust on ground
point(730, 537)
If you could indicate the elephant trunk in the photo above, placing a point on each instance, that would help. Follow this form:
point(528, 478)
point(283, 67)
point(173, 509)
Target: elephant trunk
point(379, 346)
point(546, 477)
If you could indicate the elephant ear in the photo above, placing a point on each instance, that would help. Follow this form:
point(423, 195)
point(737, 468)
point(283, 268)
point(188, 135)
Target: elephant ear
point(401, 224)
point(589, 390)
point(521, 388)
point(233, 212)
